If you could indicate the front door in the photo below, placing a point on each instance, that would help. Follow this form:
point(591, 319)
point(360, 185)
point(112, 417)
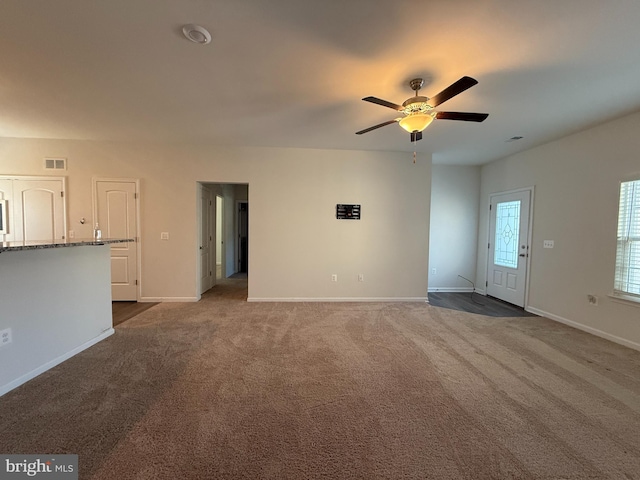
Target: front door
point(508, 246)
point(116, 214)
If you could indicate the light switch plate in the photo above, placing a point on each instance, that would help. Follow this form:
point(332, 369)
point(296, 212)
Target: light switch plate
point(548, 244)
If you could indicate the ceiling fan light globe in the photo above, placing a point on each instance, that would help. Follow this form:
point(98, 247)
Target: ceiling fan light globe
point(416, 122)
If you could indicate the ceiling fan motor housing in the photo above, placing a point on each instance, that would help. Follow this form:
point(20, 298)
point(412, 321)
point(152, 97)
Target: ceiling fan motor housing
point(417, 104)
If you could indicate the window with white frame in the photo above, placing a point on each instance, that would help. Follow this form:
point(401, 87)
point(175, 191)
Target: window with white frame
point(627, 279)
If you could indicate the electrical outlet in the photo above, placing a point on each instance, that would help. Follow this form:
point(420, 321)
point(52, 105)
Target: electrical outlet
point(434, 271)
point(592, 299)
point(72, 234)
point(164, 235)
point(334, 278)
point(361, 277)
point(548, 244)
point(5, 337)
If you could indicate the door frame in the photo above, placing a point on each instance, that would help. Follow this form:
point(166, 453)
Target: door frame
point(531, 191)
point(138, 240)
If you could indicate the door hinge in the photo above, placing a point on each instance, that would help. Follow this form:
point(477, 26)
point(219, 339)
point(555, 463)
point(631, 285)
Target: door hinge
point(486, 284)
point(136, 281)
point(210, 274)
point(62, 194)
point(135, 195)
point(489, 245)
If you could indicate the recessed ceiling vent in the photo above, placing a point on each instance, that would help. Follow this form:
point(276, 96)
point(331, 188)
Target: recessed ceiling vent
point(196, 34)
point(55, 163)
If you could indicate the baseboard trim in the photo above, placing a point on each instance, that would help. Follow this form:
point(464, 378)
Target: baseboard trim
point(168, 299)
point(451, 289)
point(56, 361)
point(585, 328)
point(338, 299)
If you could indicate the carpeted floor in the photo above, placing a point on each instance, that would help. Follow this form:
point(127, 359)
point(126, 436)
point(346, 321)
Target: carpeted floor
point(225, 389)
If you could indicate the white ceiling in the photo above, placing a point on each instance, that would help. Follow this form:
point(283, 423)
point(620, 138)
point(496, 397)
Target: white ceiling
point(291, 73)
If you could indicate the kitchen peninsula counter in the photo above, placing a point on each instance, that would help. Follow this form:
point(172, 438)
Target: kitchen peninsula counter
point(73, 242)
point(55, 301)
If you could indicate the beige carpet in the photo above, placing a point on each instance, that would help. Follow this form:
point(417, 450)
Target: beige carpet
point(229, 389)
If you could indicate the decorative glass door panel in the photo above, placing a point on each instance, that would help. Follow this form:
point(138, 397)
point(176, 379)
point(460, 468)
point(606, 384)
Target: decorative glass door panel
point(507, 234)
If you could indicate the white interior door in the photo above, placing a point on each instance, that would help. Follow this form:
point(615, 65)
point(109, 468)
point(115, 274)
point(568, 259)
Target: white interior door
point(508, 246)
point(38, 210)
point(6, 193)
point(116, 214)
point(220, 254)
point(207, 249)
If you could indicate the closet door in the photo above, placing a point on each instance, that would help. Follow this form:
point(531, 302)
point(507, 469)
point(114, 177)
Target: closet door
point(6, 194)
point(38, 210)
point(116, 213)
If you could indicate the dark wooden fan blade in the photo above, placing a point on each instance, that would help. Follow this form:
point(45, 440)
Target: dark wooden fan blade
point(452, 90)
point(465, 117)
point(377, 126)
point(384, 103)
point(415, 136)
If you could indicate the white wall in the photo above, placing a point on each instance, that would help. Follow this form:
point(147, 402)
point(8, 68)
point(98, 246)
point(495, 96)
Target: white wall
point(56, 302)
point(455, 196)
point(576, 183)
point(295, 241)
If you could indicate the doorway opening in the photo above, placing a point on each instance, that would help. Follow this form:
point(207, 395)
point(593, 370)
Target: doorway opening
point(220, 223)
point(243, 237)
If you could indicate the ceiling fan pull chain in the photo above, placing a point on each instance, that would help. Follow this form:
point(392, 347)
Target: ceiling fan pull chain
point(414, 152)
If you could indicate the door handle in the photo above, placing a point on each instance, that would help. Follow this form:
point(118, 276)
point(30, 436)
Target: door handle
point(200, 247)
point(521, 255)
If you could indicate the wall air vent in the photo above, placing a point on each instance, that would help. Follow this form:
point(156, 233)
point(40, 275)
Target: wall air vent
point(347, 212)
point(55, 163)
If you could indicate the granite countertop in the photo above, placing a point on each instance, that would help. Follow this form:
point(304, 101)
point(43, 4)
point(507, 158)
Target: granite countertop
point(72, 242)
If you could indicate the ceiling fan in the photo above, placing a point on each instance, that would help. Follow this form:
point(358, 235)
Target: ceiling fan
point(419, 110)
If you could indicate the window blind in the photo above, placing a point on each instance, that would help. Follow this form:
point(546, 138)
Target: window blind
point(627, 278)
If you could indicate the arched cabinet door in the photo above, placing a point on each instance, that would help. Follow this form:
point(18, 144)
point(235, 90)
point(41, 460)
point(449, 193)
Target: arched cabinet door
point(38, 210)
